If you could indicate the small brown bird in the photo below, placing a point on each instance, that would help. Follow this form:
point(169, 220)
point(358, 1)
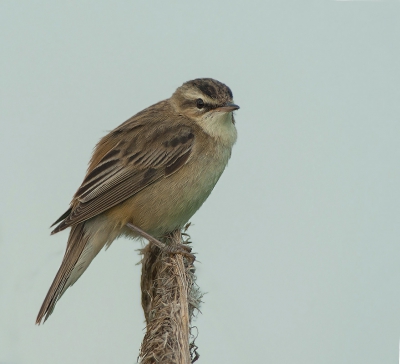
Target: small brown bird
point(154, 171)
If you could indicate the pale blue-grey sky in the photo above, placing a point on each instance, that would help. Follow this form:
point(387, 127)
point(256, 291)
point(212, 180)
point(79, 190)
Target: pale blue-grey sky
point(298, 243)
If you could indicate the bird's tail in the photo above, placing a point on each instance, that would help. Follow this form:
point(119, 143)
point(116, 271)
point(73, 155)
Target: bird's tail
point(83, 245)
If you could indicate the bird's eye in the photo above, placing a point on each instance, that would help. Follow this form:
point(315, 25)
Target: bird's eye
point(199, 103)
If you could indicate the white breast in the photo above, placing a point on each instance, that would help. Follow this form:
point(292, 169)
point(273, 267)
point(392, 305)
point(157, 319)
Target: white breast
point(219, 125)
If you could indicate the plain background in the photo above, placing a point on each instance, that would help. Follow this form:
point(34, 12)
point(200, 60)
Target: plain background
point(299, 242)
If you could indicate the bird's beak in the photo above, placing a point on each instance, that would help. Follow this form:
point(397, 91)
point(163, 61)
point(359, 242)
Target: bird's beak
point(228, 107)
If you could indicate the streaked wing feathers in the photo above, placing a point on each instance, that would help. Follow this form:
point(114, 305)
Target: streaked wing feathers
point(128, 167)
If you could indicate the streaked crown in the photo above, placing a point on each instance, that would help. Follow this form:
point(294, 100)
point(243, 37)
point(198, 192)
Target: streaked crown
point(210, 88)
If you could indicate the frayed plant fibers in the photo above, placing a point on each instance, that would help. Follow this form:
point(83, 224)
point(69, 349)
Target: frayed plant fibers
point(170, 299)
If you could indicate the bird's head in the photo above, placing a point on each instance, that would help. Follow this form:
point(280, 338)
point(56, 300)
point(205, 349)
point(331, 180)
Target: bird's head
point(203, 98)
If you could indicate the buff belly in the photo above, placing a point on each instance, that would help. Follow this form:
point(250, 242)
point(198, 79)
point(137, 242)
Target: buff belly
point(170, 202)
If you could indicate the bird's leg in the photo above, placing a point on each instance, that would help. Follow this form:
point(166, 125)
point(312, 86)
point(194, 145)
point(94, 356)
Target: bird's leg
point(171, 249)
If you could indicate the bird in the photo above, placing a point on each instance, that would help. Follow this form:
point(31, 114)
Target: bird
point(154, 171)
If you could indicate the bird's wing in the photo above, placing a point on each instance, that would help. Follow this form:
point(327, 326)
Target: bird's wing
point(142, 155)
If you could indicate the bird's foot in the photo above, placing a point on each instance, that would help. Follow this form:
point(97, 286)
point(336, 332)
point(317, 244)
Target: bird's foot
point(182, 249)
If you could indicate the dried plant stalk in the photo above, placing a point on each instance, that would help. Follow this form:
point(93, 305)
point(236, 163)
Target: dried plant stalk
point(169, 299)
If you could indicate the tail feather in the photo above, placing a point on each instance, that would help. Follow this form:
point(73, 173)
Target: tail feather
point(70, 270)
